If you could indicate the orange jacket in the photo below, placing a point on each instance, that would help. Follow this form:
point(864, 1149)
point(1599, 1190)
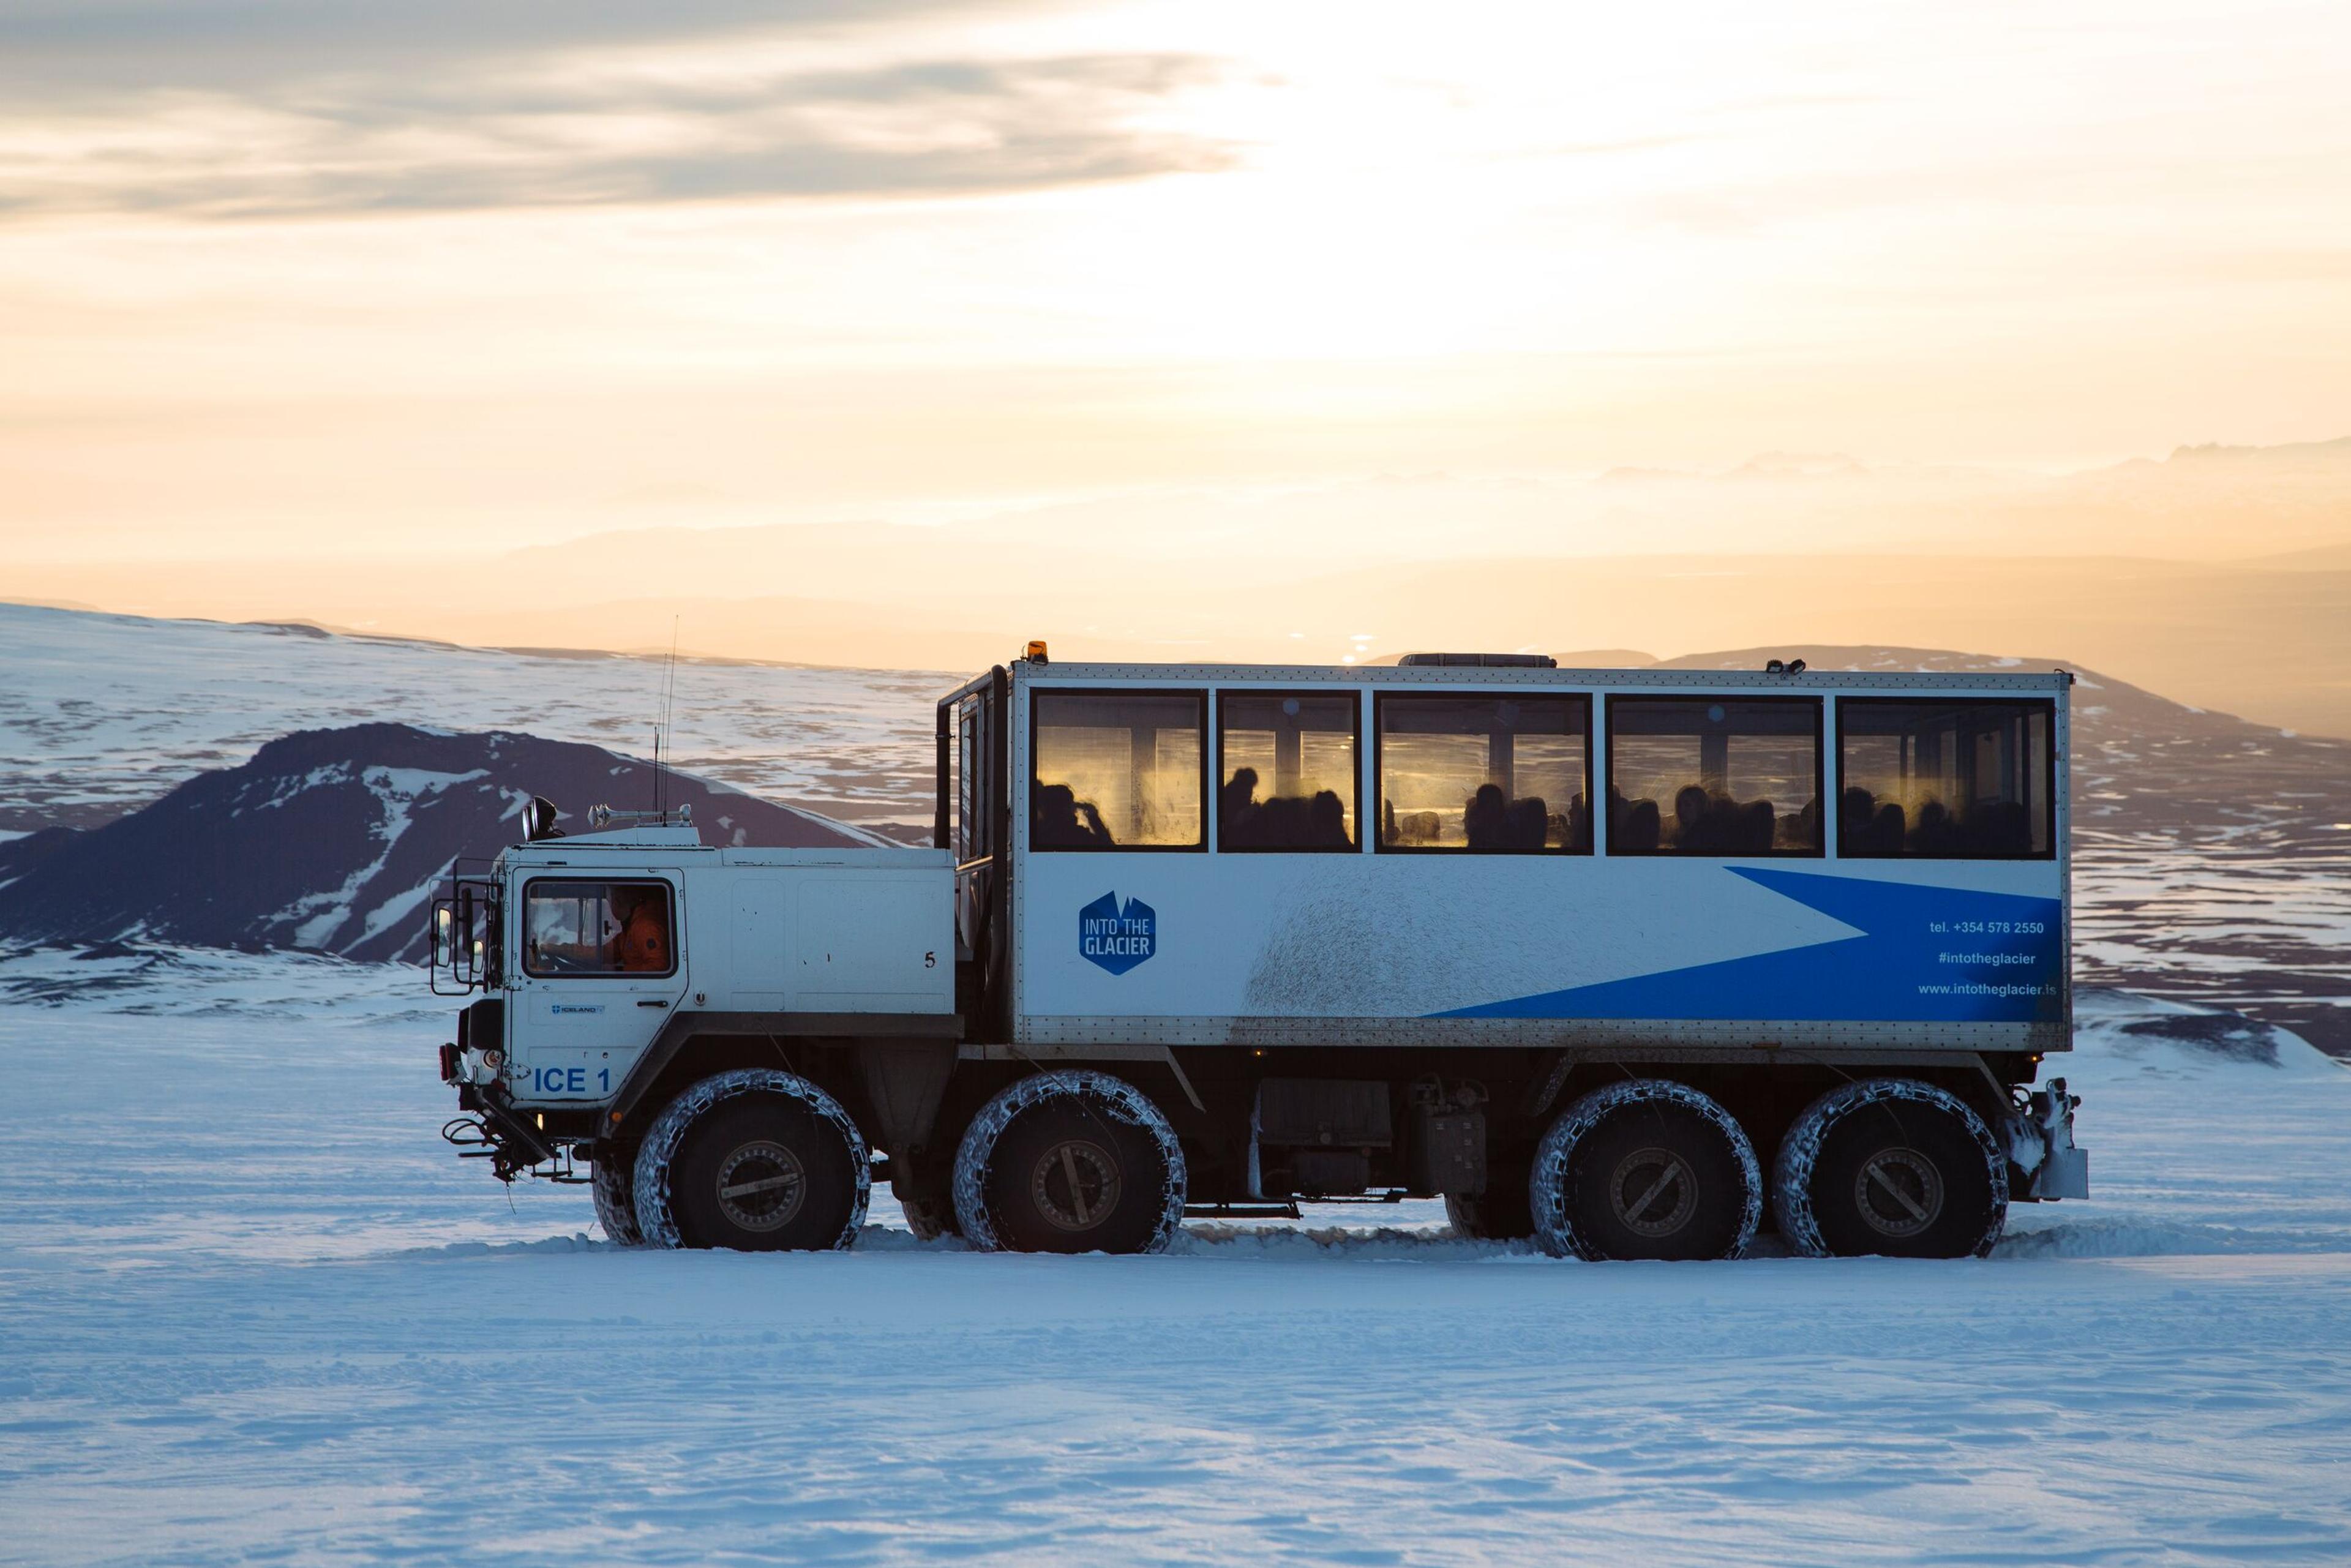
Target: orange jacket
point(645, 943)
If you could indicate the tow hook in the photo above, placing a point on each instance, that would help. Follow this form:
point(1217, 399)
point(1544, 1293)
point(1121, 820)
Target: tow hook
point(495, 1134)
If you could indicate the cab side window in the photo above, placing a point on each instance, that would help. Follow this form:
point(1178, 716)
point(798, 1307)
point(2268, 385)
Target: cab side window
point(581, 928)
point(971, 829)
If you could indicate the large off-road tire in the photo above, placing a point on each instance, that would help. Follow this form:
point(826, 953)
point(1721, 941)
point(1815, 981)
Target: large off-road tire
point(1890, 1166)
point(757, 1160)
point(1070, 1162)
point(612, 1182)
point(1650, 1169)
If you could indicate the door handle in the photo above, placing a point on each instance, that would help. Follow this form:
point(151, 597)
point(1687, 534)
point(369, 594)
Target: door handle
point(656, 1003)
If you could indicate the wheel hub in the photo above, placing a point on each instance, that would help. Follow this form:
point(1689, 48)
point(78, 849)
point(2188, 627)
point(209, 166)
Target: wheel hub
point(761, 1186)
point(1652, 1191)
point(1075, 1185)
point(1898, 1192)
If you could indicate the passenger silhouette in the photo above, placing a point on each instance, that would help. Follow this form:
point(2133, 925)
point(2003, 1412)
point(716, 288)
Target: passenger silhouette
point(1933, 833)
point(1632, 825)
point(1058, 819)
point(1485, 820)
point(1237, 810)
point(1694, 829)
point(1284, 821)
point(1328, 814)
point(1867, 827)
point(1855, 810)
point(1528, 824)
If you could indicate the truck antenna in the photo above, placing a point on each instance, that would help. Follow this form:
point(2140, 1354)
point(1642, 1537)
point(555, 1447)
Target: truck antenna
point(669, 698)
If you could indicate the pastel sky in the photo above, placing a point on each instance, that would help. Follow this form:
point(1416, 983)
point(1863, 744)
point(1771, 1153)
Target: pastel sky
point(305, 278)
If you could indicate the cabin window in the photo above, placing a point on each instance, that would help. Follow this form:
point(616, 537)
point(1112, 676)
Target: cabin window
point(1955, 779)
point(973, 834)
point(577, 928)
point(1714, 776)
point(1506, 773)
point(1287, 764)
point(1117, 770)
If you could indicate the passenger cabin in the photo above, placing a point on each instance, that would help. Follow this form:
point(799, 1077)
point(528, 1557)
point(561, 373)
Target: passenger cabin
point(1499, 853)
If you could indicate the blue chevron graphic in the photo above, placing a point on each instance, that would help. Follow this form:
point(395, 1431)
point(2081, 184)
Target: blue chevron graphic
point(1929, 955)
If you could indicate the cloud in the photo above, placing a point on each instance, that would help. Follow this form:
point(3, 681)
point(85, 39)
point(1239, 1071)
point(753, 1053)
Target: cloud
point(54, 48)
point(259, 110)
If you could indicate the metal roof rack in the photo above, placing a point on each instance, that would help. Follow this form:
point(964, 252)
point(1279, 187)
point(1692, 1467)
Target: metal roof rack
point(1485, 661)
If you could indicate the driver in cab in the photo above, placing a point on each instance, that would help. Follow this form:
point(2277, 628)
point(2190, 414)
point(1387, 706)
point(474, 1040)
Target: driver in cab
point(642, 945)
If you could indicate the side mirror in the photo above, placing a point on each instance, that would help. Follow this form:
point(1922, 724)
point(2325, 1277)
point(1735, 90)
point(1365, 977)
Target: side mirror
point(463, 935)
point(465, 956)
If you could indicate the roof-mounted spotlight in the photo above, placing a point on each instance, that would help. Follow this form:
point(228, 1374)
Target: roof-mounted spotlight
point(539, 821)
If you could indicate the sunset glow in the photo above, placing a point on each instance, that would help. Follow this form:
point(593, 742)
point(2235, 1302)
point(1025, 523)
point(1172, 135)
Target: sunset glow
point(316, 313)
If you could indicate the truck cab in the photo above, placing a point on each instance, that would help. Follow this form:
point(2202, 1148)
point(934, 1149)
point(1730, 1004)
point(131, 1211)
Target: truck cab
point(616, 966)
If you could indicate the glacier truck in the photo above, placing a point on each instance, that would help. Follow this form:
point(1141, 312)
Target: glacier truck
point(1629, 962)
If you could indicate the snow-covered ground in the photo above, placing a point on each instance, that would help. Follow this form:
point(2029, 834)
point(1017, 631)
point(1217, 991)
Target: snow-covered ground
point(251, 1308)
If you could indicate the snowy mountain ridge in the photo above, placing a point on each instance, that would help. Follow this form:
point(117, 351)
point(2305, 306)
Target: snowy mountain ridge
point(334, 840)
point(104, 713)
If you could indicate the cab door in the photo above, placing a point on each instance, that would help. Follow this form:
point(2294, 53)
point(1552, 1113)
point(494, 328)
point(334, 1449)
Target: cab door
point(976, 830)
point(599, 966)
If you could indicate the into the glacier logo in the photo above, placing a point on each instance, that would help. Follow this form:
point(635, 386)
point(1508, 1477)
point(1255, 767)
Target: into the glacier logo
point(1117, 939)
